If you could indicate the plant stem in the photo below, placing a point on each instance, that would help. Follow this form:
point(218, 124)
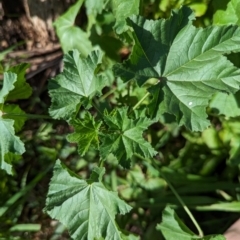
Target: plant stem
point(107, 94)
point(139, 102)
point(31, 116)
point(101, 163)
point(96, 107)
point(200, 232)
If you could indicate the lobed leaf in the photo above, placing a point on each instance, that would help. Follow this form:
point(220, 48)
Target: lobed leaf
point(22, 90)
point(153, 40)
point(87, 208)
point(85, 134)
point(76, 85)
point(188, 63)
point(124, 137)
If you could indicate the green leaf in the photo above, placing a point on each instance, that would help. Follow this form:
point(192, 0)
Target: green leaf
point(226, 12)
point(22, 90)
point(130, 237)
point(173, 228)
point(109, 44)
point(76, 85)
point(226, 104)
point(230, 136)
point(8, 85)
point(224, 206)
point(124, 137)
point(95, 7)
point(16, 114)
point(188, 63)
point(214, 237)
point(153, 40)
point(72, 37)
point(85, 134)
point(122, 10)
point(9, 144)
point(87, 208)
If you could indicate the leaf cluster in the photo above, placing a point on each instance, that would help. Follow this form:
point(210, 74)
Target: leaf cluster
point(176, 84)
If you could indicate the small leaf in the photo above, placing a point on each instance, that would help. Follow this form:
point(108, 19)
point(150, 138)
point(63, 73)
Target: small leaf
point(72, 37)
point(76, 84)
point(173, 228)
point(122, 10)
point(22, 90)
point(85, 134)
point(124, 137)
point(87, 208)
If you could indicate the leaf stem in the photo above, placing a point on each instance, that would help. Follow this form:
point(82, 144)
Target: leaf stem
point(96, 107)
point(200, 232)
point(101, 163)
point(30, 116)
point(140, 101)
point(107, 94)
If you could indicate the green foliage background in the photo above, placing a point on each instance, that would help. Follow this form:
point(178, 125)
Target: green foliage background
point(146, 116)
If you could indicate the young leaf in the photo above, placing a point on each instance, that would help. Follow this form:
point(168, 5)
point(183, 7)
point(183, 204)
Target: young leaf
point(72, 37)
point(188, 63)
point(86, 133)
point(9, 143)
point(122, 10)
point(76, 84)
point(22, 90)
point(87, 208)
point(173, 228)
point(124, 137)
